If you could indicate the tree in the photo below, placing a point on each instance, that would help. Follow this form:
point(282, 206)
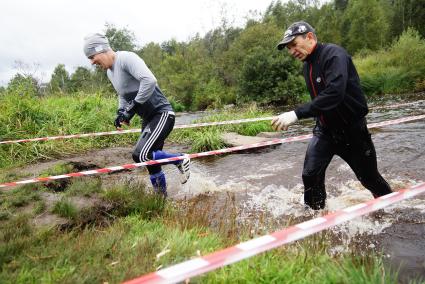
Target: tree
point(177, 79)
point(23, 85)
point(259, 71)
point(407, 13)
point(120, 39)
point(328, 27)
point(170, 47)
point(265, 36)
point(60, 81)
point(269, 77)
point(81, 80)
point(100, 82)
point(367, 26)
point(294, 10)
point(340, 5)
point(153, 55)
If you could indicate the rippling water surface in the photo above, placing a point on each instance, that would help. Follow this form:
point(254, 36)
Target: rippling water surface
point(269, 180)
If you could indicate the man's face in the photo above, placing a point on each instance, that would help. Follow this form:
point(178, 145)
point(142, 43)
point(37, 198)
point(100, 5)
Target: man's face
point(102, 60)
point(301, 47)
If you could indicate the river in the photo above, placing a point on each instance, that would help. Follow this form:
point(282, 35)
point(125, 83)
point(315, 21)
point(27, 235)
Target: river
point(269, 180)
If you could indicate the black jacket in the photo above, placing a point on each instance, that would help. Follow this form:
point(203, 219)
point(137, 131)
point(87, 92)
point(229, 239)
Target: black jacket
point(337, 100)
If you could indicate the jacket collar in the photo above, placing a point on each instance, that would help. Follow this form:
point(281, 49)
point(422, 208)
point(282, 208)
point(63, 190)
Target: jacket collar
point(316, 51)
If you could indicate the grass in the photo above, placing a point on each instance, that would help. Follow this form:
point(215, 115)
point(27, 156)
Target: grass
point(59, 115)
point(133, 231)
point(39, 207)
point(64, 208)
point(209, 138)
point(399, 69)
point(129, 199)
point(126, 249)
point(14, 200)
point(24, 116)
point(285, 265)
point(133, 246)
point(84, 187)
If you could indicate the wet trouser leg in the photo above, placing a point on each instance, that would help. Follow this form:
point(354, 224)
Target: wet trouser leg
point(360, 155)
point(154, 133)
point(319, 154)
point(353, 145)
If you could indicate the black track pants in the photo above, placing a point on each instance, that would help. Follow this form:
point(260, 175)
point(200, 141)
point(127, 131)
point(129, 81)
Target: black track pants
point(354, 146)
point(154, 133)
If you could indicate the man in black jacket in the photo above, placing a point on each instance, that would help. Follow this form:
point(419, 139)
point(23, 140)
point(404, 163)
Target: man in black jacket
point(339, 107)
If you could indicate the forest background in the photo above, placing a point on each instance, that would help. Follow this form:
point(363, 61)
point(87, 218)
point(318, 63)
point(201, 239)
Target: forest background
point(237, 65)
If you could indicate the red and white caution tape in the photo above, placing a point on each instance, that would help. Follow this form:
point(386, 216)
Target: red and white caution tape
point(133, 130)
point(155, 162)
point(396, 121)
point(192, 156)
point(397, 105)
point(137, 130)
point(200, 265)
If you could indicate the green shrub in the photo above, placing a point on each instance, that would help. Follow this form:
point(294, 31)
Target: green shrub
point(85, 187)
point(134, 199)
point(401, 68)
point(270, 78)
point(40, 207)
point(207, 140)
point(64, 208)
point(25, 116)
point(177, 106)
point(252, 129)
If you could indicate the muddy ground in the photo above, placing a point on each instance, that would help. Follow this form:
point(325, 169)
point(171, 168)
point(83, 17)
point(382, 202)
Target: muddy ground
point(267, 183)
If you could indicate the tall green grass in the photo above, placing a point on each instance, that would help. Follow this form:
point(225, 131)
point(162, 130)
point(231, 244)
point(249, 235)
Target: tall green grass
point(399, 69)
point(145, 235)
point(131, 231)
point(209, 138)
point(25, 116)
point(283, 265)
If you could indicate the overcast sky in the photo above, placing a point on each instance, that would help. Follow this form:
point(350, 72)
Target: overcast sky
point(44, 33)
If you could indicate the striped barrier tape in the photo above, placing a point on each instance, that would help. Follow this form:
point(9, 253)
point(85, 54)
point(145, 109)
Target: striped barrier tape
point(397, 105)
point(192, 156)
point(218, 259)
point(137, 130)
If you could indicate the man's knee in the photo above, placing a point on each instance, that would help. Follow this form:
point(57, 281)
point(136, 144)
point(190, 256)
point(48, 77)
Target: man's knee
point(138, 157)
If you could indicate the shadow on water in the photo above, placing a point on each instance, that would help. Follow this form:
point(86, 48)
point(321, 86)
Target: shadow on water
point(268, 180)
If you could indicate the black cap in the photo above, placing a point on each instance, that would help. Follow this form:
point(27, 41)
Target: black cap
point(297, 28)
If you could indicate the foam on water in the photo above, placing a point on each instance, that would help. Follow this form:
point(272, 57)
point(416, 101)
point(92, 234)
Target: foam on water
point(199, 183)
point(277, 200)
point(281, 201)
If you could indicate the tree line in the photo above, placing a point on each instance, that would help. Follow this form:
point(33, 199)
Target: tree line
point(234, 65)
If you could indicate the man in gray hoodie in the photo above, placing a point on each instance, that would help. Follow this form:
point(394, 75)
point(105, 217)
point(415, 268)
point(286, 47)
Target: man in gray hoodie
point(138, 93)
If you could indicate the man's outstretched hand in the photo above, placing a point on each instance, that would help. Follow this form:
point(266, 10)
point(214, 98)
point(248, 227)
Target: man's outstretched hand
point(282, 121)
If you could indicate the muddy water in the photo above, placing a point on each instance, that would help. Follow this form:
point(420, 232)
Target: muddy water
point(269, 180)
